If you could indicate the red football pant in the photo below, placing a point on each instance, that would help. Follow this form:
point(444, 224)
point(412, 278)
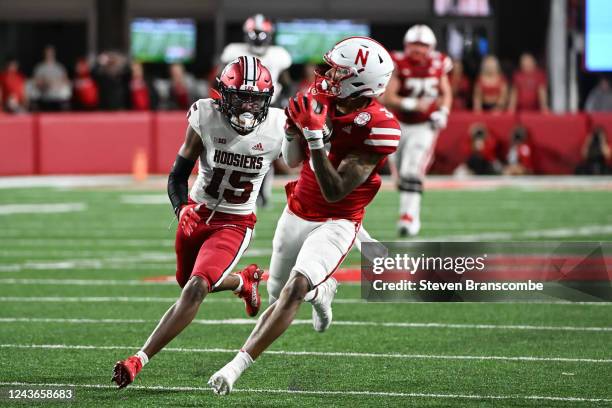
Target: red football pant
point(210, 252)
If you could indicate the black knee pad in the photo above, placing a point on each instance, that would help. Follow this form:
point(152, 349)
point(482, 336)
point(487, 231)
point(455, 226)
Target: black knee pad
point(410, 185)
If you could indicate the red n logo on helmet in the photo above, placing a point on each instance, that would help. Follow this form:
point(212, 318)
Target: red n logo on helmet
point(361, 57)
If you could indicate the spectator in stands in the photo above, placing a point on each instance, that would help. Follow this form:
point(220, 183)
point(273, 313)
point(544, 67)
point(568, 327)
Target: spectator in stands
point(182, 88)
point(53, 90)
point(596, 155)
point(491, 89)
point(142, 93)
point(518, 159)
point(12, 88)
point(481, 149)
point(85, 92)
point(461, 86)
point(600, 97)
point(529, 89)
point(112, 76)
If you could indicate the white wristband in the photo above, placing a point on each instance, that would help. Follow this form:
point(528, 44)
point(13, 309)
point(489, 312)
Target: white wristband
point(314, 138)
point(408, 104)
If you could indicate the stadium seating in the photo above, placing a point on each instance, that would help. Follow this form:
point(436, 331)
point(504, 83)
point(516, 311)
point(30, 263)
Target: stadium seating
point(106, 143)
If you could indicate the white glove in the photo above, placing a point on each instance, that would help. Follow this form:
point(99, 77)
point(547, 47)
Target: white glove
point(439, 118)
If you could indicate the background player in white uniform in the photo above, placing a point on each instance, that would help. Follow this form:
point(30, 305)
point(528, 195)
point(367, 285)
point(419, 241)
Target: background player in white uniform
point(258, 33)
point(327, 202)
point(420, 96)
point(235, 138)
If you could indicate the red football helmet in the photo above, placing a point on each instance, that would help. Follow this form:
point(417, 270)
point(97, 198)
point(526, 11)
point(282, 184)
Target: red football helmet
point(258, 33)
point(244, 92)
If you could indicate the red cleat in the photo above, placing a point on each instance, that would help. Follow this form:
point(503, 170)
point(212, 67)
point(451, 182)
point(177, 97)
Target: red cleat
point(251, 275)
point(125, 371)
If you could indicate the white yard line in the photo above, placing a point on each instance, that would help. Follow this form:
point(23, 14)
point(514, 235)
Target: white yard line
point(317, 353)
point(84, 282)
point(145, 199)
point(125, 261)
point(583, 231)
point(65, 181)
point(140, 299)
point(42, 208)
point(250, 322)
point(131, 299)
point(320, 392)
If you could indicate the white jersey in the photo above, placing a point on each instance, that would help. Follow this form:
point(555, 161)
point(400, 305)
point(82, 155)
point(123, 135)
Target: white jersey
point(276, 59)
point(232, 166)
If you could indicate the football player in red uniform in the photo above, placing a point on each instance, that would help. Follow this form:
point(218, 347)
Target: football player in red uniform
point(235, 138)
point(327, 203)
point(421, 96)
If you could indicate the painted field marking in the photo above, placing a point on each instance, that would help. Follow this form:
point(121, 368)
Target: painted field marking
point(317, 353)
point(139, 299)
point(250, 322)
point(319, 392)
point(42, 208)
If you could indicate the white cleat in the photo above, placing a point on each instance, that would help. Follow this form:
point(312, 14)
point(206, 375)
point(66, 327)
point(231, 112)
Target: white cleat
point(221, 382)
point(321, 305)
point(408, 227)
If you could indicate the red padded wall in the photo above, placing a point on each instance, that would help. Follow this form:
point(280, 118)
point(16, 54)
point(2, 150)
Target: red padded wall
point(451, 147)
point(92, 143)
point(170, 134)
point(604, 120)
point(556, 141)
point(17, 145)
point(103, 143)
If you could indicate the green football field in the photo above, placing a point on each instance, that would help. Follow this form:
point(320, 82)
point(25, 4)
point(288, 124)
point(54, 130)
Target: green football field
point(75, 298)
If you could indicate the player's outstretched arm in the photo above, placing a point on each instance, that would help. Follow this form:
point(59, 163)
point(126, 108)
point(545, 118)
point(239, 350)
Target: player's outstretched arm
point(293, 154)
point(179, 175)
point(352, 172)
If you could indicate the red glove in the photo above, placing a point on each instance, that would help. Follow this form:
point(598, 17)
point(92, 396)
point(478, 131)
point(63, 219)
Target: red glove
point(188, 218)
point(306, 112)
point(309, 116)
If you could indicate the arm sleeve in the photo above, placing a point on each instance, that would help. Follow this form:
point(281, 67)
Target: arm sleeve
point(383, 137)
point(178, 182)
point(292, 152)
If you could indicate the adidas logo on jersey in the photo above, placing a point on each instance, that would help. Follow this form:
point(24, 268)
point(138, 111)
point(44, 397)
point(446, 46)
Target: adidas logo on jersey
point(258, 147)
point(347, 129)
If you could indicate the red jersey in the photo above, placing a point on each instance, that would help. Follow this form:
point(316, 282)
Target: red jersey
point(371, 129)
point(420, 80)
point(491, 91)
point(12, 84)
point(527, 85)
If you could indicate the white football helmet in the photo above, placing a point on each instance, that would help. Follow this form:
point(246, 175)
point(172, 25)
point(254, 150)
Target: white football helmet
point(363, 67)
point(420, 33)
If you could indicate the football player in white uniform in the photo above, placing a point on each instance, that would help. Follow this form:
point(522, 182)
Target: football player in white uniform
point(420, 96)
point(235, 137)
point(258, 32)
point(326, 204)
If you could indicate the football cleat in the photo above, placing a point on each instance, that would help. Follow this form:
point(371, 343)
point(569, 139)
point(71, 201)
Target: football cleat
point(125, 371)
point(408, 226)
point(251, 275)
point(222, 381)
point(321, 305)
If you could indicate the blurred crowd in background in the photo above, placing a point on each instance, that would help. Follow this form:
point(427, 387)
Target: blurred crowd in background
point(111, 81)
